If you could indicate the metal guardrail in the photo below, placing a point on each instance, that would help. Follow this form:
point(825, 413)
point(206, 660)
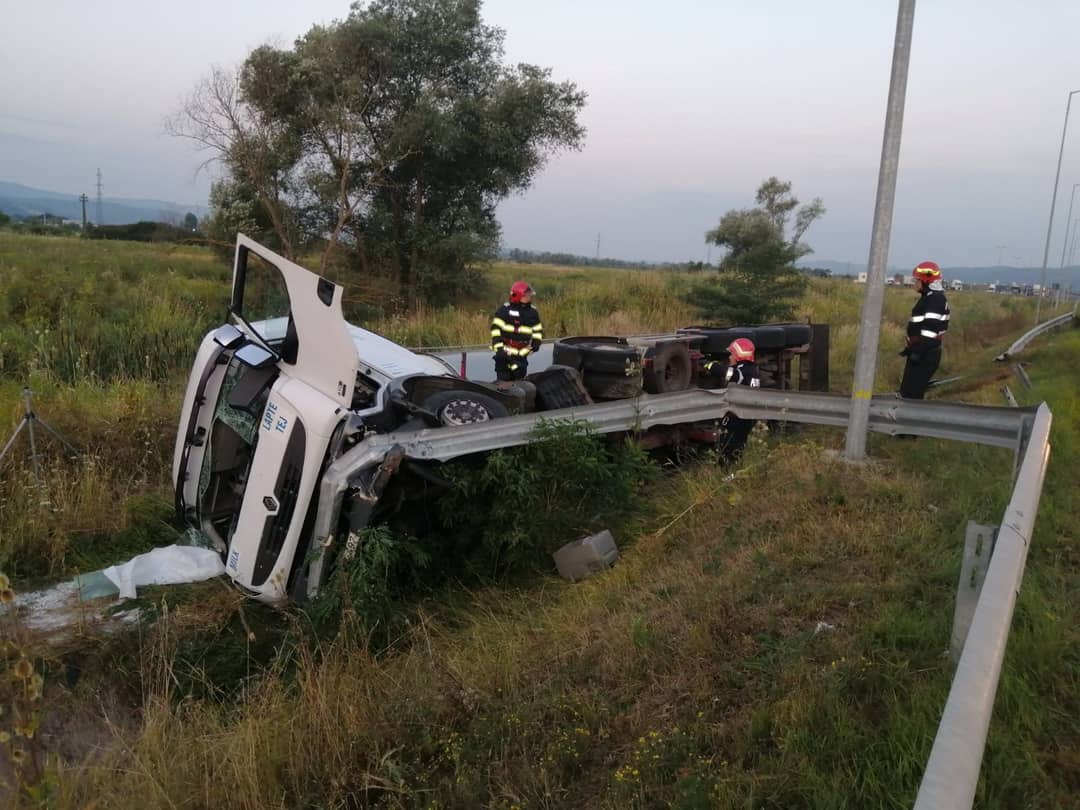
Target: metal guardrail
point(952, 772)
point(1022, 341)
point(995, 426)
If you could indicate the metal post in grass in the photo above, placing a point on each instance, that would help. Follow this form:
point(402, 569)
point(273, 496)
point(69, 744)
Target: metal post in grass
point(870, 324)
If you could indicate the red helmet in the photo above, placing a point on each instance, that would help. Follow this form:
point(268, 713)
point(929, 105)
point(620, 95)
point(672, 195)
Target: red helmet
point(927, 271)
point(518, 290)
point(742, 349)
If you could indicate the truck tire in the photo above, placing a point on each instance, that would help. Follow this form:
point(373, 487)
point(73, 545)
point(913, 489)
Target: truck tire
point(767, 338)
point(795, 334)
point(717, 339)
point(613, 386)
point(714, 339)
point(559, 387)
point(453, 408)
point(670, 370)
point(605, 355)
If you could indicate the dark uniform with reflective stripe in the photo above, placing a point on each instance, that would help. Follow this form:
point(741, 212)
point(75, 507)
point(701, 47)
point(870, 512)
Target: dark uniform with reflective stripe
point(516, 333)
point(736, 430)
point(929, 321)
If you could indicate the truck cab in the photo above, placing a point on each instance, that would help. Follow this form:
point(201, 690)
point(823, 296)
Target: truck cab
point(273, 394)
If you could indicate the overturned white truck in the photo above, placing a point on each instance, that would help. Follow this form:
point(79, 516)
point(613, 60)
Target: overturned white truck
point(294, 420)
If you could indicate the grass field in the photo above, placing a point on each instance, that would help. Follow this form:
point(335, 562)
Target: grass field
point(689, 676)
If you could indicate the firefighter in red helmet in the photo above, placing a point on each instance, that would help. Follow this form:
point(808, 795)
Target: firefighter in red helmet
point(927, 326)
point(516, 332)
point(740, 369)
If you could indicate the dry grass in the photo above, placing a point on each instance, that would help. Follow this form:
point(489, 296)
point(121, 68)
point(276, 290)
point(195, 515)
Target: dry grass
point(689, 676)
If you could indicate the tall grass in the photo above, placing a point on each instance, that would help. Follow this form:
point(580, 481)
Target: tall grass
point(689, 676)
point(775, 640)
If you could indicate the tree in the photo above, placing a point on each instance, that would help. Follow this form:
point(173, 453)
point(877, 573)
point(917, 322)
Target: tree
point(757, 280)
point(191, 222)
point(388, 138)
point(4, 219)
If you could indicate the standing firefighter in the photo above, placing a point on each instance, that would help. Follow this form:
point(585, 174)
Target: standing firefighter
point(740, 369)
point(929, 320)
point(516, 332)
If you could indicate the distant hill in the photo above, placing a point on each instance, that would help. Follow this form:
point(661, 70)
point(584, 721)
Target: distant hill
point(22, 201)
point(972, 275)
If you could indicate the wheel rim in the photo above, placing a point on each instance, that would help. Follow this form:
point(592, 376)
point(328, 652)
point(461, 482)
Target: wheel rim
point(463, 412)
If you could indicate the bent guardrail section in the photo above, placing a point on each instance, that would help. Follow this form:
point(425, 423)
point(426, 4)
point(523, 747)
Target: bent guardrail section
point(1031, 334)
point(952, 772)
point(999, 427)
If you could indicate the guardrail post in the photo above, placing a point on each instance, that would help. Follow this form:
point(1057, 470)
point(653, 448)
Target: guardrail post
point(978, 548)
point(1021, 372)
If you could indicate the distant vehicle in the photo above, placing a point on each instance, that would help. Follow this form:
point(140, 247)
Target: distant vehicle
point(956, 284)
point(861, 278)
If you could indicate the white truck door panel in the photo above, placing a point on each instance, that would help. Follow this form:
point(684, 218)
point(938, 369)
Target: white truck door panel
point(325, 355)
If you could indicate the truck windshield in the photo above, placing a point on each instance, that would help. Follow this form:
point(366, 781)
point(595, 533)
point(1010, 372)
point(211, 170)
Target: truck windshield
point(233, 433)
point(264, 300)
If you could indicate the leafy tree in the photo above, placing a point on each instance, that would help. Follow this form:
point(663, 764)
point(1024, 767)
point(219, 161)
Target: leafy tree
point(234, 209)
point(388, 138)
point(191, 222)
point(4, 219)
point(757, 279)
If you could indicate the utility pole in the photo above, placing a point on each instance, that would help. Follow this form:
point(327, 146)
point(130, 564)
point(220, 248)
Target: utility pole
point(598, 247)
point(1053, 199)
point(1000, 248)
point(100, 216)
point(870, 324)
point(83, 199)
point(1072, 247)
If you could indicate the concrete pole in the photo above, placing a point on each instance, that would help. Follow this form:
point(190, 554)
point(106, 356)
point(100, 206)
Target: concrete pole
point(1053, 202)
point(870, 324)
point(1068, 221)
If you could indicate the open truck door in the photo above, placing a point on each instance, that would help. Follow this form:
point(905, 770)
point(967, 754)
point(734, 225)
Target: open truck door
point(297, 314)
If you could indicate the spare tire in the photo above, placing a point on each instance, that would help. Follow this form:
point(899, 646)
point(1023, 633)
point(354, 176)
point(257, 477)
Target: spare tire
point(605, 355)
point(795, 334)
point(769, 337)
point(613, 386)
point(455, 408)
point(670, 369)
point(714, 340)
point(559, 386)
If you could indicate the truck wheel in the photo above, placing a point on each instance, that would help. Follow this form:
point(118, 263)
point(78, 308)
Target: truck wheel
point(452, 408)
point(716, 339)
point(559, 386)
point(670, 370)
point(605, 355)
point(770, 337)
point(795, 334)
point(613, 386)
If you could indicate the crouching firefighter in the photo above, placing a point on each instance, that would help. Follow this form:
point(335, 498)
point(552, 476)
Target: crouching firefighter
point(740, 369)
point(929, 321)
point(516, 332)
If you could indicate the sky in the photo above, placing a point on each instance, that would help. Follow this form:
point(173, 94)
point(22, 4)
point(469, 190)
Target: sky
point(690, 106)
